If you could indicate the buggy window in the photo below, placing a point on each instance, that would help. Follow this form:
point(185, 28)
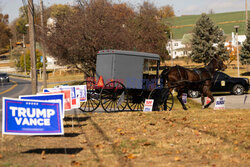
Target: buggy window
point(149, 67)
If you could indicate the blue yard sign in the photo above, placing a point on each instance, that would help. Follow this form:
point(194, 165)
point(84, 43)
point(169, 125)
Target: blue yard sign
point(47, 97)
point(29, 117)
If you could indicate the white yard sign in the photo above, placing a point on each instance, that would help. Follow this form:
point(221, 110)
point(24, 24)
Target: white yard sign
point(219, 103)
point(148, 105)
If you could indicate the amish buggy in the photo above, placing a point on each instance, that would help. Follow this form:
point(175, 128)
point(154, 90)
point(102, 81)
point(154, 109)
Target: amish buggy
point(123, 81)
point(199, 79)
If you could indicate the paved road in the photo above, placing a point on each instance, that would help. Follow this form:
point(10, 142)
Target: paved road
point(13, 89)
point(233, 101)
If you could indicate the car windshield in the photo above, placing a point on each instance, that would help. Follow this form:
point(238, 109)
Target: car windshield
point(3, 75)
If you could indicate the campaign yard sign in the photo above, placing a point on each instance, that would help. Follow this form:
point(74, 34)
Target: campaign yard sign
point(219, 103)
point(47, 97)
point(148, 105)
point(75, 97)
point(29, 117)
point(82, 89)
point(67, 96)
point(184, 98)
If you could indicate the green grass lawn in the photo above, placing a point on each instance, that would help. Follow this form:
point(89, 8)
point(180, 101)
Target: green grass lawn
point(226, 21)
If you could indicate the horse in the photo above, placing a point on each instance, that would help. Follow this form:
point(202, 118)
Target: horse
point(198, 79)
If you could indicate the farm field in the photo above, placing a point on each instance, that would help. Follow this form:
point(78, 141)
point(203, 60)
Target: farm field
point(226, 21)
point(178, 138)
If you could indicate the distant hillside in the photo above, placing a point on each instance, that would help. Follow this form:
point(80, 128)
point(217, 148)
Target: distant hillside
point(227, 21)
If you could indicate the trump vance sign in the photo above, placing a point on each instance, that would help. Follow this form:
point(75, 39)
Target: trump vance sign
point(47, 97)
point(29, 117)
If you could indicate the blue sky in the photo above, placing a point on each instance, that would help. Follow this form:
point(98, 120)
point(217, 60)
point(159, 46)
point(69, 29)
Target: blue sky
point(181, 7)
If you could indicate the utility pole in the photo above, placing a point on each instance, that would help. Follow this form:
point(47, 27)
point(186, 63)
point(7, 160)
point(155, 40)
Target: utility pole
point(43, 52)
point(25, 72)
point(237, 50)
point(172, 49)
point(246, 14)
point(10, 48)
point(32, 46)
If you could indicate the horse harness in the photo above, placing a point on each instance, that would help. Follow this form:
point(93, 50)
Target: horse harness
point(178, 68)
point(199, 72)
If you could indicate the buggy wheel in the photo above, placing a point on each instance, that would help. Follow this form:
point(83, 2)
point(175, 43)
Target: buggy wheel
point(136, 101)
point(93, 98)
point(114, 97)
point(163, 99)
point(136, 106)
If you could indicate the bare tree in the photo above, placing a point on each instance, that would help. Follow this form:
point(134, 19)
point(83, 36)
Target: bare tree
point(149, 33)
point(94, 25)
point(5, 33)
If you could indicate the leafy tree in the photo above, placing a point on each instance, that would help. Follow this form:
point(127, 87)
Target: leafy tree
point(22, 21)
point(5, 33)
point(58, 10)
point(232, 52)
point(149, 34)
point(221, 50)
point(245, 50)
point(166, 12)
point(21, 25)
point(94, 25)
point(21, 62)
point(187, 40)
point(208, 40)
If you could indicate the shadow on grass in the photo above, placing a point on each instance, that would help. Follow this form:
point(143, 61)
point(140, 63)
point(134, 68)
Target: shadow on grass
point(65, 135)
point(76, 118)
point(54, 151)
point(78, 126)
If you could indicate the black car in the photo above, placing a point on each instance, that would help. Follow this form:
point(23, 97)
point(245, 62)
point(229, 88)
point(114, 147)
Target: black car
point(4, 77)
point(224, 83)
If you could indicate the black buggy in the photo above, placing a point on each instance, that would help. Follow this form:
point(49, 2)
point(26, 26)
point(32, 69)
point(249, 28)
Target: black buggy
point(123, 81)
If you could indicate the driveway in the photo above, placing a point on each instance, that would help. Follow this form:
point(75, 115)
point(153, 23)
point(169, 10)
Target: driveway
point(233, 101)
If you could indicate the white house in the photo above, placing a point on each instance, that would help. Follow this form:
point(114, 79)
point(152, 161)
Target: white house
point(180, 50)
point(241, 39)
point(52, 63)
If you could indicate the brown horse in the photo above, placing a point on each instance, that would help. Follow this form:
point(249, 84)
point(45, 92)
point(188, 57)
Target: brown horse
point(184, 79)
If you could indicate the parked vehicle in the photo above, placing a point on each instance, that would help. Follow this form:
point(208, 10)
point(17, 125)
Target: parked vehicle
point(124, 81)
point(225, 83)
point(4, 77)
